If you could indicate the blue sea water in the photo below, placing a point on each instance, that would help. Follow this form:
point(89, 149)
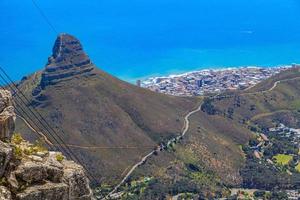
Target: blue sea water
point(139, 38)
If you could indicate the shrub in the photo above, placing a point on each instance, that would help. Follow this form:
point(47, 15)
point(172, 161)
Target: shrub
point(208, 107)
point(3, 181)
point(59, 157)
point(28, 151)
point(18, 153)
point(17, 138)
point(39, 145)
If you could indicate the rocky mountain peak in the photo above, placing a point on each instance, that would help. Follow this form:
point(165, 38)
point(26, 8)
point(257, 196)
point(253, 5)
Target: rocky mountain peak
point(68, 59)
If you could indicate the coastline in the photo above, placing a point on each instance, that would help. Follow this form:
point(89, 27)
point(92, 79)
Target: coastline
point(150, 78)
point(211, 81)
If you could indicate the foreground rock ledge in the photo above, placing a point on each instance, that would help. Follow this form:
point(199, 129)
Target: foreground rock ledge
point(30, 172)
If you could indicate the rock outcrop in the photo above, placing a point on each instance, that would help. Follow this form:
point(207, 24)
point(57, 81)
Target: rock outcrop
point(30, 172)
point(4, 193)
point(5, 156)
point(68, 60)
point(7, 115)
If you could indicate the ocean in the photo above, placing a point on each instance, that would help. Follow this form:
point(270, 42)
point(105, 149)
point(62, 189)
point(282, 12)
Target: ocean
point(135, 39)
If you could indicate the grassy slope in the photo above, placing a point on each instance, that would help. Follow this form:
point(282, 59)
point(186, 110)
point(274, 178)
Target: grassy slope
point(265, 85)
point(104, 111)
point(262, 109)
point(213, 145)
point(213, 141)
point(283, 99)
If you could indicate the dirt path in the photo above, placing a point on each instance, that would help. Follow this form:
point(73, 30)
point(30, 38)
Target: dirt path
point(145, 158)
point(39, 133)
point(272, 88)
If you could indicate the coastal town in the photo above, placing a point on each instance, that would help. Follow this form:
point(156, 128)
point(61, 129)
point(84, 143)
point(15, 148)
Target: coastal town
point(203, 82)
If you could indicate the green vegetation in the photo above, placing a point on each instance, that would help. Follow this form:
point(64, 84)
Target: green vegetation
point(296, 104)
point(59, 157)
point(18, 153)
point(282, 159)
point(298, 167)
point(22, 148)
point(208, 107)
point(103, 190)
point(17, 138)
point(203, 178)
point(136, 188)
point(265, 175)
point(3, 181)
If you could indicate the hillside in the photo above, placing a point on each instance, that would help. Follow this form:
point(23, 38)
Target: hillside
point(30, 171)
point(217, 152)
point(108, 123)
point(279, 94)
point(271, 111)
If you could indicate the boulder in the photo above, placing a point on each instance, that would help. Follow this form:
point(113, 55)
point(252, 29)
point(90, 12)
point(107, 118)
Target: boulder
point(52, 161)
point(54, 168)
point(12, 181)
point(31, 172)
point(54, 174)
point(78, 183)
point(48, 191)
point(4, 193)
point(5, 157)
point(7, 115)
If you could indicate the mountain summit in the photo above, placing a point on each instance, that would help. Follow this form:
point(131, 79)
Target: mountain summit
point(107, 122)
point(68, 60)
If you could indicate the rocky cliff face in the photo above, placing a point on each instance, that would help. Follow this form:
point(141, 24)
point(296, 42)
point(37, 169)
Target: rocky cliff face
point(68, 60)
point(7, 115)
point(30, 172)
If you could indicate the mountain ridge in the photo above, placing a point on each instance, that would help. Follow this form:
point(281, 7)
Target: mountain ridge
point(96, 109)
